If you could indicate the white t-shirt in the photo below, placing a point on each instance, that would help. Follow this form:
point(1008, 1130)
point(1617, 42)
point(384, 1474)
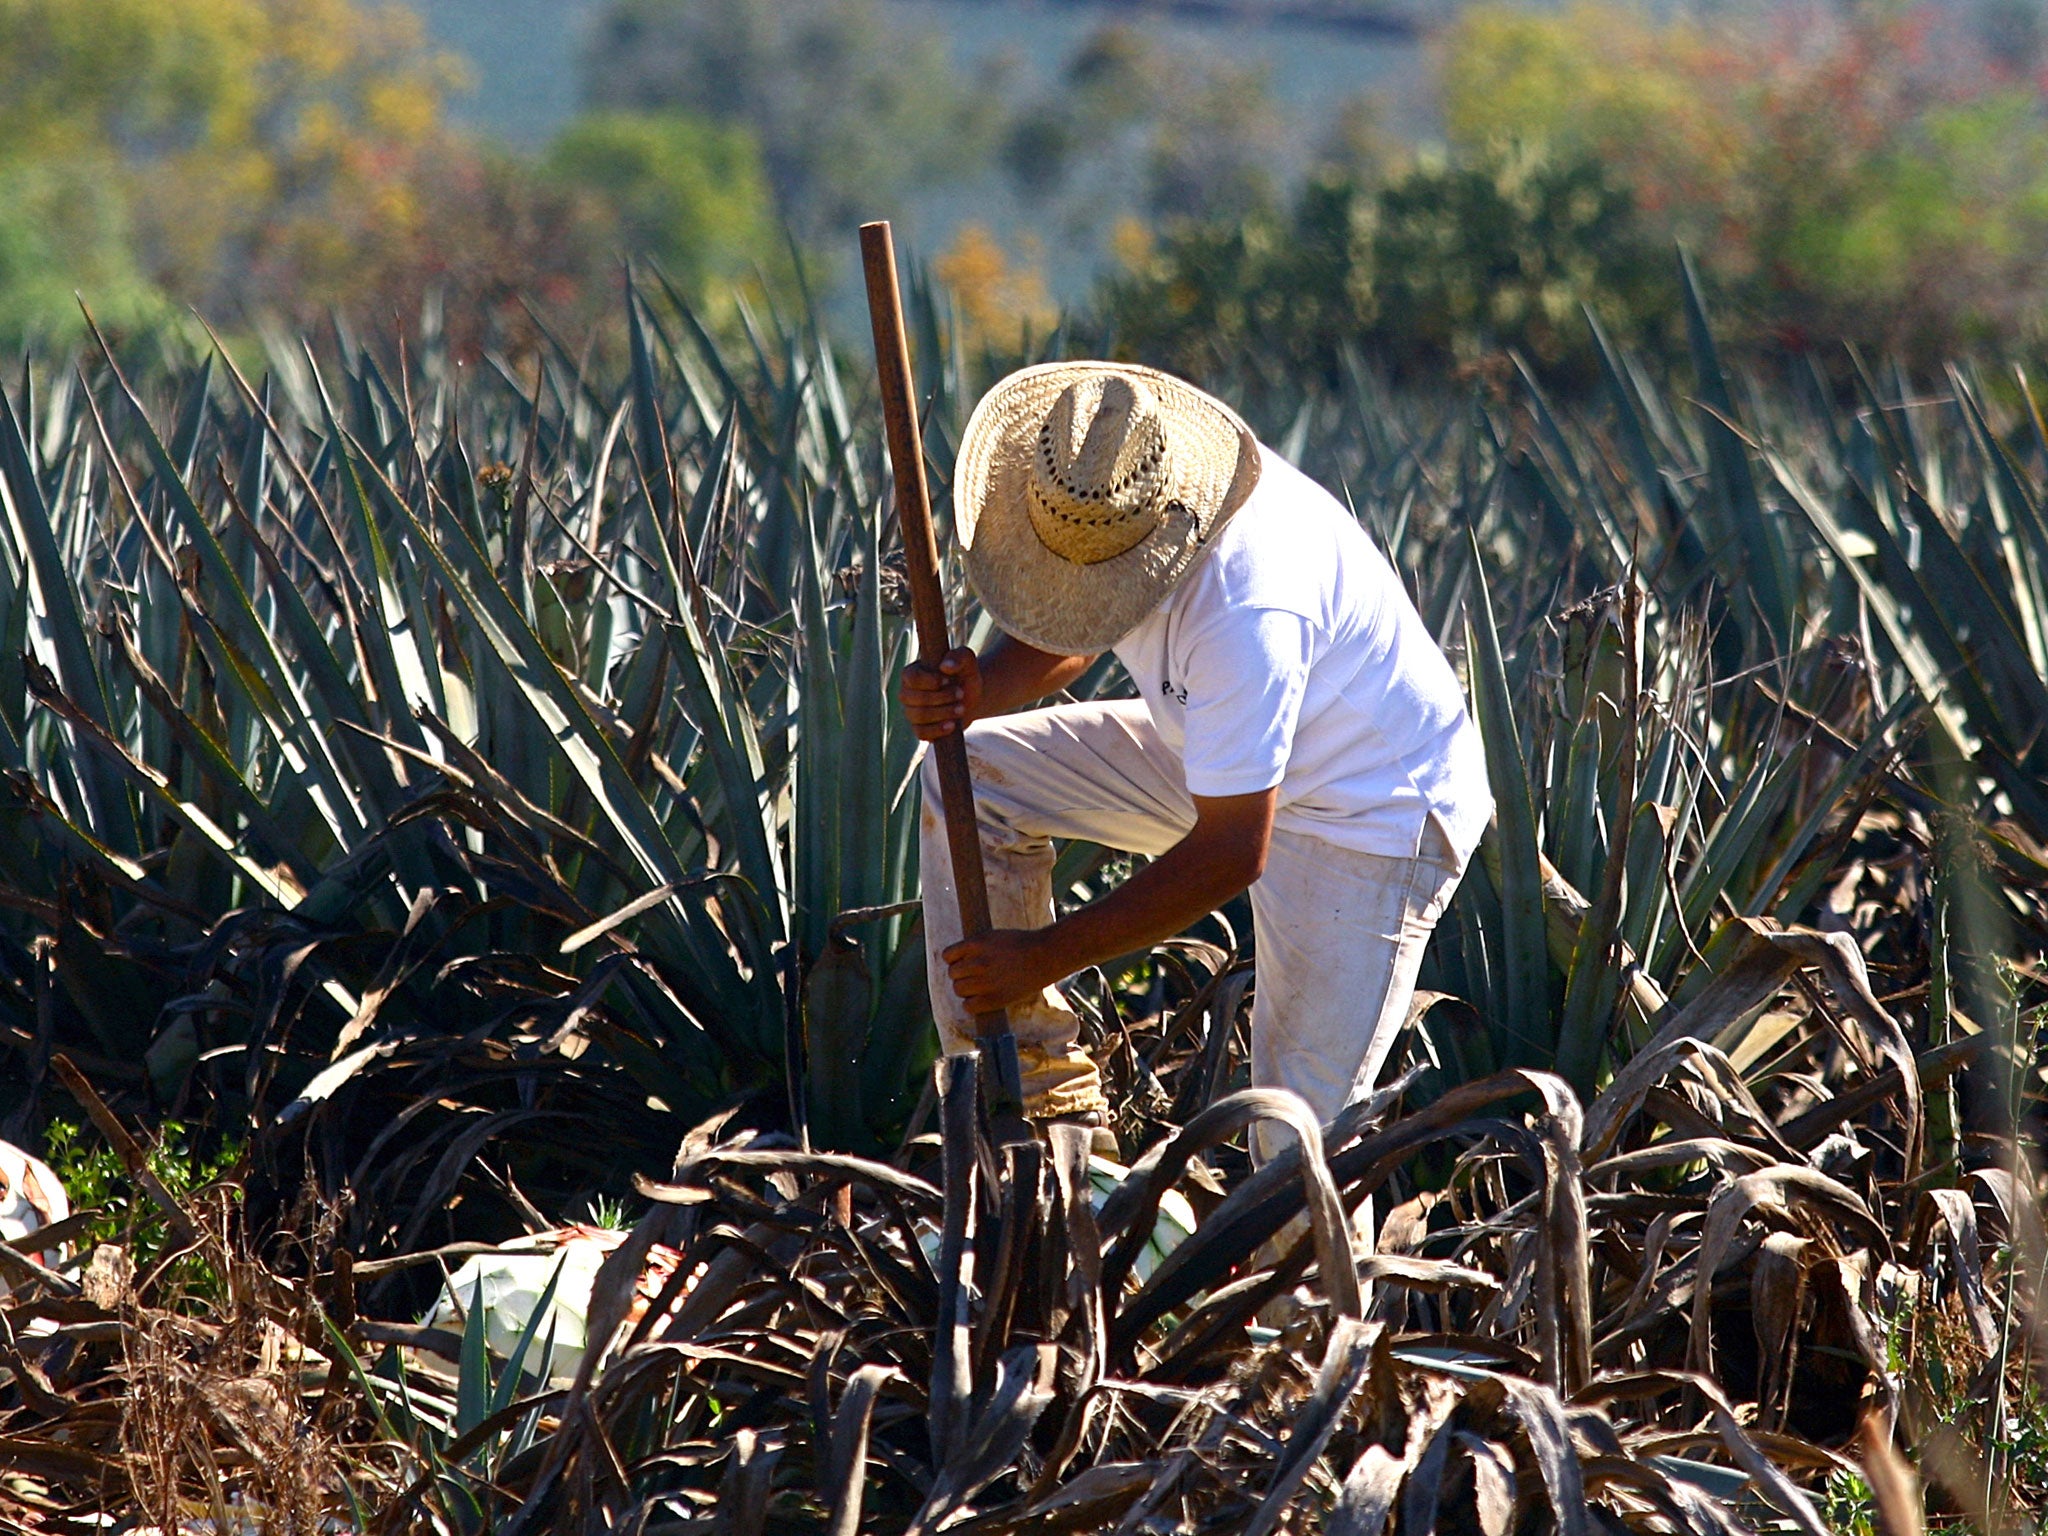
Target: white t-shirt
point(1291, 655)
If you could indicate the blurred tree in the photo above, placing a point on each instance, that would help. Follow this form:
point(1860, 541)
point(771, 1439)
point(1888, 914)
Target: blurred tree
point(1444, 265)
point(1509, 250)
point(1263, 298)
point(1131, 125)
point(2015, 32)
point(1214, 145)
point(1002, 302)
point(848, 111)
point(159, 149)
point(65, 232)
point(1358, 146)
point(1860, 171)
point(689, 194)
point(1091, 122)
point(503, 241)
point(291, 157)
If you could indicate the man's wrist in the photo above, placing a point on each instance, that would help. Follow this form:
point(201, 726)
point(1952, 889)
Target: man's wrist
point(1061, 955)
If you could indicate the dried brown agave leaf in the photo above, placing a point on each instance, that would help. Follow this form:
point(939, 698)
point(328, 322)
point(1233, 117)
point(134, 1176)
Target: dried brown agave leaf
point(1215, 1324)
point(1649, 1255)
point(1726, 1157)
point(1024, 1219)
point(749, 1480)
point(613, 1289)
point(1552, 1263)
point(763, 1247)
point(847, 1462)
point(1777, 1302)
point(1368, 1493)
point(905, 1277)
point(1770, 1191)
point(689, 1186)
point(1425, 1488)
point(1168, 1475)
point(1346, 1359)
point(1541, 1414)
point(1131, 1210)
point(1081, 1293)
point(1894, 1486)
point(1423, 1274)
point(1262, 1204)
point(18, 1269)
point(1849, 1283)
point(1086, 1502)
point(1023, 1388)
point(2018, 1195)
point(28, 1378)
point(1765, 958)
point(1691, 1510)
point(1951, 1213)
point(1933, 1068)
point(1075, 1304)
point(1745, 1449)
point(1616, 1104)
point(952, 1381)
point(1564, 1319)
point(1268, 1200)
point(1493, 1483)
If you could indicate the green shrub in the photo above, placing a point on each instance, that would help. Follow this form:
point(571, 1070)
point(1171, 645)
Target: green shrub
point(1446, 264)
point(1871, 172)
point(184, 1158)
point(688, 193)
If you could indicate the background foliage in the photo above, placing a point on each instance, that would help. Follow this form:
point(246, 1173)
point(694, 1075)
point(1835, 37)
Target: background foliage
point(1868, 172)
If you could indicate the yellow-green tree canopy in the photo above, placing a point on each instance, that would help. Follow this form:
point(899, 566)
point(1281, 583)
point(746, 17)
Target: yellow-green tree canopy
point(688, 193)
point(163, 151)
point(1862, 171)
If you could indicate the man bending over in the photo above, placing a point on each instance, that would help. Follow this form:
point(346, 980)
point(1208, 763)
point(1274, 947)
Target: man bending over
point(1298, 732)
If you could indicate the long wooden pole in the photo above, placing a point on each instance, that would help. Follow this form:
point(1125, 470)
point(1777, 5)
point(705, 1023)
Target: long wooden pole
point(1001, 1082)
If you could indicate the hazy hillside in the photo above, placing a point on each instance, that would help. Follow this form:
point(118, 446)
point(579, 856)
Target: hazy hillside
point(524, 52)
point(524, 57)
point(525, 64)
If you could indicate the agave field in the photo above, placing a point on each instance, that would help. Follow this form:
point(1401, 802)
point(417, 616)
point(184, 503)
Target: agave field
point(443, 803)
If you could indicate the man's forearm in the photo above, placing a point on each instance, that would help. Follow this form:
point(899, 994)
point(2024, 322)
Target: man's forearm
point(1223, 852)
point(1015, 676)
point(1180, 887)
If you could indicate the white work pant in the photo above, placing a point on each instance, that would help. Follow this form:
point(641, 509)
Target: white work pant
point(1339, 934)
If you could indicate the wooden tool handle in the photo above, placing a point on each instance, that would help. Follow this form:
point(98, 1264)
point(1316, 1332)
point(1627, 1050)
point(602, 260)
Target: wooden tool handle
point(928, 602)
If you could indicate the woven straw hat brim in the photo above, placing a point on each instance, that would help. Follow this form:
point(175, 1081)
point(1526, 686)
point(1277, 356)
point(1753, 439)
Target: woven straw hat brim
point(1060, 605)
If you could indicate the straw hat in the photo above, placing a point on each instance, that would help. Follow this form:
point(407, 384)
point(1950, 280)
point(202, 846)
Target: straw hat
point(1084, 492)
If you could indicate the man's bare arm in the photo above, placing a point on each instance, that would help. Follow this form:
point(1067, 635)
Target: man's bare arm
point(1223, 852)
point(963, 688)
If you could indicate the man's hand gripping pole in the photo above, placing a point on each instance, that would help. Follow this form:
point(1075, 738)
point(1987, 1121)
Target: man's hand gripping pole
point(1002, 1084)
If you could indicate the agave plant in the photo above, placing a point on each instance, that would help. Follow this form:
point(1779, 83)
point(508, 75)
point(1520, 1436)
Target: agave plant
point(354, 765)
point(1660, 1309)
point(1707, 636)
